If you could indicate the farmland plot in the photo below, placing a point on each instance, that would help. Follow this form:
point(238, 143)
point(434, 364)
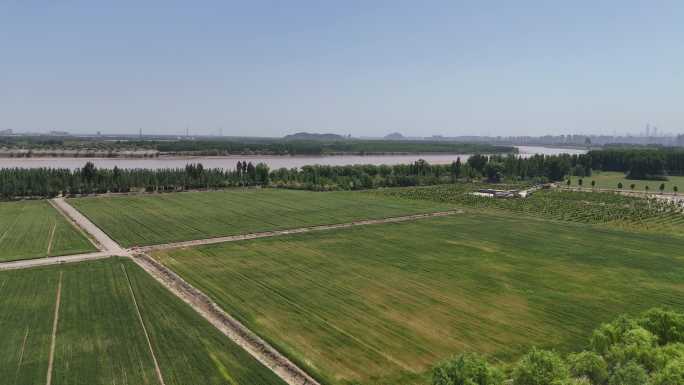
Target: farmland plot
point(34, 229)
point(27, 300)
point(147, 220)
point(100, 339)
point(382, 304)
point(189, 349)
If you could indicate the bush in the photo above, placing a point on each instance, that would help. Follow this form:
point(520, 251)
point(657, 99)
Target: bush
point(589, 365)
point(466, 369)
point(540, 367)
point(672, 374)
point(629, 374)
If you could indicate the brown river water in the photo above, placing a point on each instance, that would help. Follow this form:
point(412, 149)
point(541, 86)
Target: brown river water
point(273, 161)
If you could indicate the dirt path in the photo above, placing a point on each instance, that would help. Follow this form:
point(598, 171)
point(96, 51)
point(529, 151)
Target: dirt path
point(104, 242)
point(27, 263)
point(233, 329)
point(267, 234)
point(142, 324)
point(51, 358)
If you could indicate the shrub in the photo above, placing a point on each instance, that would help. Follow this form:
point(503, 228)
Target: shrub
point(589, 365)
point(629, 374)
point(540, 367)
point(466, 369)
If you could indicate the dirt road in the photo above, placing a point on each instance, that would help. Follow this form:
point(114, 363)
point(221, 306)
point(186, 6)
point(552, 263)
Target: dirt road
point(27, 263)
point(300, 230)
point(103, 240)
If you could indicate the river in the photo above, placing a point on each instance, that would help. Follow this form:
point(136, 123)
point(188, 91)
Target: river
point(273, 161)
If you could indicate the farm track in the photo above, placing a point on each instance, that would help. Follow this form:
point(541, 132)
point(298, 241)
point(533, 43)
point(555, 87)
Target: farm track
point(102, 240)
point(268, 234)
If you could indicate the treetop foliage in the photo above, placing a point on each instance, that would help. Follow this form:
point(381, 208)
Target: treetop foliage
point(644, 350)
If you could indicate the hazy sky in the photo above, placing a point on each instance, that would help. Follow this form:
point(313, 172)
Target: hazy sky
point(359, 67)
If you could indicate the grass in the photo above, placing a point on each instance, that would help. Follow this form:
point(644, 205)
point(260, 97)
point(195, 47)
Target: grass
point(381, 304)
point(147, 220)
point(34, 229)
point(609, 179)
point(100, 339)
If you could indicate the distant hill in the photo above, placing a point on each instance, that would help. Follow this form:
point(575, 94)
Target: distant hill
point(313, 136)
point(394, 136)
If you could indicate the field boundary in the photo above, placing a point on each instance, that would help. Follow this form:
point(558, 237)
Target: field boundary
point(55, 322)
point(300, 230)
point(224, 322)
point(142, 323)
point(52, 238)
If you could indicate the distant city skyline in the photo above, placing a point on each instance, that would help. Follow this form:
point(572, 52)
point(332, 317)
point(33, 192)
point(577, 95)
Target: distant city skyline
point(363, 68)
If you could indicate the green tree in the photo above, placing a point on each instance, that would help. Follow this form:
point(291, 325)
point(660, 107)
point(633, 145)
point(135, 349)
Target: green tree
point(262, 175)
point(568, 182)
point(662, 187)
point(588, 364)
point(456, 168)
point(675, 189)
point(580, 181)
point(89, 171)
point(629, 374)
point(477, 162)
point(671, 374)
point(632, 186)
point(466, 369)
point(494, 171)
point(540, 367)
point(666, 325)
point(593, 183)
point(620, 185)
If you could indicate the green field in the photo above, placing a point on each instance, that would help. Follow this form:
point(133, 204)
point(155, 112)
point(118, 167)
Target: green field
point(147, 220)
point(100, 339)
point(34, 229)
point(608, 179)
point(27, 301)
point(383, 303)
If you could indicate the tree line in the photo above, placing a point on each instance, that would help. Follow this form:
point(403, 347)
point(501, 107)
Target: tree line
point(243, 146)
point(50, 182)
point(321, 147)
point(643, 350)
point(640, 163)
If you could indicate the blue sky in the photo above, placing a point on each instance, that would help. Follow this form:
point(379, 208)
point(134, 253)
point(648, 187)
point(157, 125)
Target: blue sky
point(269, 68)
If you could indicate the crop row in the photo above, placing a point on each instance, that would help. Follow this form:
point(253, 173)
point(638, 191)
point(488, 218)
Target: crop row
point(584, 207)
